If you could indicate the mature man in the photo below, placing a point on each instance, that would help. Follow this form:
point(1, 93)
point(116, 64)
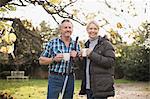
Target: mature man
point(53, 55)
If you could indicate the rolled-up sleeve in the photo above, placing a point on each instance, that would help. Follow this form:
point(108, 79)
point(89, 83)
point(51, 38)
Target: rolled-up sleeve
point(47, 50)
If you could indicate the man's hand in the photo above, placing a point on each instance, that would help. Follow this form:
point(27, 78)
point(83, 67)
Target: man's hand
point(73, 53)
point(58, 57)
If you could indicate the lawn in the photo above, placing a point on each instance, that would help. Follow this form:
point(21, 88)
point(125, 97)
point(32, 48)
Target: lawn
point(32, 89)
point(35, 88)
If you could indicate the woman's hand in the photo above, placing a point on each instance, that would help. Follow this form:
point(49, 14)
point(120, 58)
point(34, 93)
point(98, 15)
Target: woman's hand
point(88, 51)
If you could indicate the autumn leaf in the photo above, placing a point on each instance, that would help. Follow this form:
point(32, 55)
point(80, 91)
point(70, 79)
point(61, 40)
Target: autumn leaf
point(12, 37)
point(55, 1)
point(119, 25)
point(0, 40)
point(75, 12)
point(3, 49)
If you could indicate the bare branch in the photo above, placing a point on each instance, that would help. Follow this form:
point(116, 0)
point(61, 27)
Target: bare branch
point(21, 2)
point(55, 19)
point(109, 6)
point(16, 4)
point(69, 4)
point(70, 16)
point(6, 19)
point(58, 9)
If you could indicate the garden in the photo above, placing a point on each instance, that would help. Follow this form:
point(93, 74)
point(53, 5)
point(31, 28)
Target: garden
point(27, 25)
point(37, 89)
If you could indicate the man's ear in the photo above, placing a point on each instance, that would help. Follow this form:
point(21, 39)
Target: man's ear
point(59, 28)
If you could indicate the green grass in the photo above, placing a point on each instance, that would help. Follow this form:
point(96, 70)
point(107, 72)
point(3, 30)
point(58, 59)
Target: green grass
point(35, 88)
point(32, 89)
point(124, 81)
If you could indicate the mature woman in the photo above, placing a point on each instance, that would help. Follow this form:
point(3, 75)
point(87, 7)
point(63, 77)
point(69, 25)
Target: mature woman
point(98, 65)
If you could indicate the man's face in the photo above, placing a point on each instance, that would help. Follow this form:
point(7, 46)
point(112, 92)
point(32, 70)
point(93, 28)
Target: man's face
point(66, 29)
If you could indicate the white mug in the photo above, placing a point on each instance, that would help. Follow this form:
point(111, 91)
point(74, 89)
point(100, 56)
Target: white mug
point(84, 52)
point(66, 56)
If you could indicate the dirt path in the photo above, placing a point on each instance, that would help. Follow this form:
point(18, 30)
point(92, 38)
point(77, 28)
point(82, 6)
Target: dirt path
point(130, 91)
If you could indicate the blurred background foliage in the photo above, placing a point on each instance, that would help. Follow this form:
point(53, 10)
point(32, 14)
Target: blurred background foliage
point(21, 51)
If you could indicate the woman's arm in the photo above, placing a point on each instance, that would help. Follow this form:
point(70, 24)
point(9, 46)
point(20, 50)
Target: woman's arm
point(105, 59)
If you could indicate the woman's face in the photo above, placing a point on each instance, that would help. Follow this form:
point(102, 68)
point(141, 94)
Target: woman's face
point(92, 30)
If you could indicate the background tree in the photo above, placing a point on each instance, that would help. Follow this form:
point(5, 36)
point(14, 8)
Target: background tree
point(133, 60)
point(46, 32)
point(56, 8)
point(127, 61)
point(25, 38)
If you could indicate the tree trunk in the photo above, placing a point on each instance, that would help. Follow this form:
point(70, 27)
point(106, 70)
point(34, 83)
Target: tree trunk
point(27, 46)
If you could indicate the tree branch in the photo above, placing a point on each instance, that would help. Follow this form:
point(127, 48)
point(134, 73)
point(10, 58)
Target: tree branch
point(55, 19)
point(109, 6)
point(69, 4)
point(58, 10)
point(4, 2)
point(7, 19)
point(17, 4)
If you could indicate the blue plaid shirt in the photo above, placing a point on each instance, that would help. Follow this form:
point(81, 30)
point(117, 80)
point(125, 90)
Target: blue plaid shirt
point(54, 47)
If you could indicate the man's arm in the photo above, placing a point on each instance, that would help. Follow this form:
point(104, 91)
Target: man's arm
point(45, 60)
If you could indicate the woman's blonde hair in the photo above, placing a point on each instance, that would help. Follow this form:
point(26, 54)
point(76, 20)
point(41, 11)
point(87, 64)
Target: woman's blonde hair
point(92, 22)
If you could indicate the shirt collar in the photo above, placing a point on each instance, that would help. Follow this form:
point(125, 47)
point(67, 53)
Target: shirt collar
point(71, 40)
